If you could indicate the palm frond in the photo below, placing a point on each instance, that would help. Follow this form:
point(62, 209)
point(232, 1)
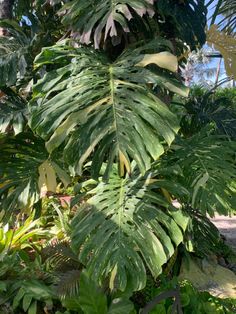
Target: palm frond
point(228, 10)
point(205, 107)
point(203, 236)
point(188, 20)
point(68, 284)
point(60, 255)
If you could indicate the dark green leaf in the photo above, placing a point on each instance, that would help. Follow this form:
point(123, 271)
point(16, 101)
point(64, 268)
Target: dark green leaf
point(92, 300)
point(124, 226)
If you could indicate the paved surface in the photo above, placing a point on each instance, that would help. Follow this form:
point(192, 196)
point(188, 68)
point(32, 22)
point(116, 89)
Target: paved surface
point(227, 227)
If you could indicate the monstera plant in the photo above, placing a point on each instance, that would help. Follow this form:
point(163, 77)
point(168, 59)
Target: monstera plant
point(86, 91)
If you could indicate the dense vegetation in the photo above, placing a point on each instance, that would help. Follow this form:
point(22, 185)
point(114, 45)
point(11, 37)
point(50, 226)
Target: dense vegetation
point(110, 166)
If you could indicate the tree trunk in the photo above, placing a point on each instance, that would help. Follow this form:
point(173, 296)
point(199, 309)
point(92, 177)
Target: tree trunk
point(5, 12)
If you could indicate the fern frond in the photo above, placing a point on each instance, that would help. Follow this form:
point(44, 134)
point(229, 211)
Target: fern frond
point(60, 255)
point(68, 284)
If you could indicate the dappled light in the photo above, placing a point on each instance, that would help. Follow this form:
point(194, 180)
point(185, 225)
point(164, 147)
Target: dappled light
point(117, 157)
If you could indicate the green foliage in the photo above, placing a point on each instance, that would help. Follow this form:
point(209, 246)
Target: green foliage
point(192, 300)
point(116, 19)
point(108, 231)
point(105, 115)
point(187, 20)
point(96, 105)
point(102, 19)
point(20, 158)
point(18, 239)
point(214, 107)
point(30, 292)
point(13, 112)
point(12, 54)
point(25, 168)
point(25, 284)
point(93, 300)
point(225, 11)
point(202, 236)
point(206, 164)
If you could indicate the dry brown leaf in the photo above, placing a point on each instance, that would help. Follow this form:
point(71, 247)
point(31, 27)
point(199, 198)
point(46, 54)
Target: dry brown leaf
point(226, 45)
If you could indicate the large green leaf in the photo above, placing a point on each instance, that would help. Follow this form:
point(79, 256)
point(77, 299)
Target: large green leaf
point(13, 51)
point(106, 109)
point(208, 171)
point(126, 225)
point(23, 162)
point(93, 18)
point(13, 112)
point(19, 162)
point(91, 298)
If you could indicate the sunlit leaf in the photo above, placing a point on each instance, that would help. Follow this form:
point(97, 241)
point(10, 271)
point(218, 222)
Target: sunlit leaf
point(126, 226)
point(102, 109)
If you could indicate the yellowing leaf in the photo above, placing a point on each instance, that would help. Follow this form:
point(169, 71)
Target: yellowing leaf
point(112, 278)
point(124, 164)
point(47, 178)
point(226, 45)
point(165, 60)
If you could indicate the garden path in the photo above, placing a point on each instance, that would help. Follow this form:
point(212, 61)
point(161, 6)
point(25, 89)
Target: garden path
point(227, 227)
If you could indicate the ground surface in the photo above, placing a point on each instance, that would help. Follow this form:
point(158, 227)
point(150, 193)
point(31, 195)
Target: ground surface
point(227, 227)
point(208, 274)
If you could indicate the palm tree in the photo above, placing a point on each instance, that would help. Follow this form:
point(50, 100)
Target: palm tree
point(226, 10)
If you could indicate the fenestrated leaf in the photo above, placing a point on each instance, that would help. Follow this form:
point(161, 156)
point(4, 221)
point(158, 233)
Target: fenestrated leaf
point(126, 225)
point(208, 171)
point(20, 161)
point(13, 112)
point(91, 18)
point(102, 109)
point(13, 50)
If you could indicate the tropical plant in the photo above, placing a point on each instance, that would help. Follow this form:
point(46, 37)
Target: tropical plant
point(86, 89)
point(225, 9)
point(192, 300)
point(209, 107)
